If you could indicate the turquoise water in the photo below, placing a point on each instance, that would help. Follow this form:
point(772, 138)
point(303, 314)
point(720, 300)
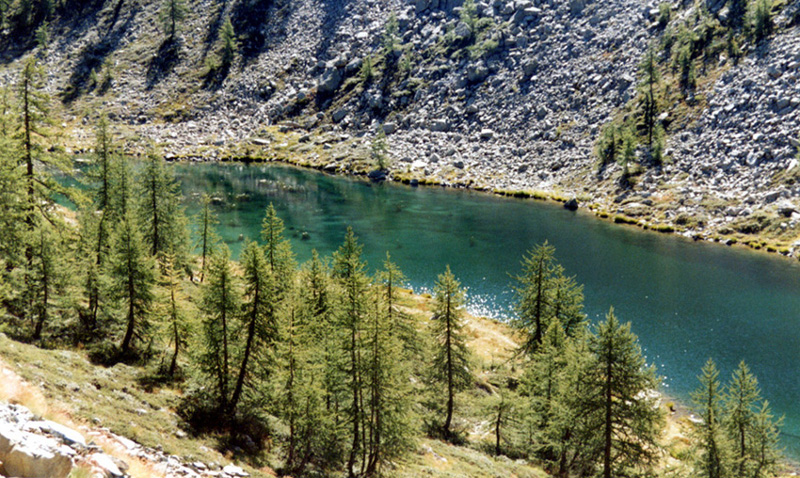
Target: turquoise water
point(687, 301)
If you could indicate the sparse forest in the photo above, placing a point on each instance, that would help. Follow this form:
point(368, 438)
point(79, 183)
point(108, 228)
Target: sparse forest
point(317, 361)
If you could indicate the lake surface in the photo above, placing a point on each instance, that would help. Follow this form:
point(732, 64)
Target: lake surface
point(687, 301)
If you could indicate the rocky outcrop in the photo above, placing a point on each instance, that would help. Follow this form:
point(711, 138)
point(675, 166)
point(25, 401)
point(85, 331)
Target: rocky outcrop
point(31, 447)
point(27, 454)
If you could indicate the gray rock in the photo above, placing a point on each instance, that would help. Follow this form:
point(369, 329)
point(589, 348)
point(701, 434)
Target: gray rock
point(389, 127)
point(462, 31)
point(571, 204)
point(106, 465)
point(330, 81)
point(477, 73)
point(338, 115)
point(65, 434)
point(27, 455)
point(486, 133)
point(439, 125)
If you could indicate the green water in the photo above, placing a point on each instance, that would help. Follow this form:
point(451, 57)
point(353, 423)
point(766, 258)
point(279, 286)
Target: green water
point(687, 301)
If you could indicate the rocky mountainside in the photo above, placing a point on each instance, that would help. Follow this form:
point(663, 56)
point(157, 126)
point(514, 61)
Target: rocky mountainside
point(510, 95)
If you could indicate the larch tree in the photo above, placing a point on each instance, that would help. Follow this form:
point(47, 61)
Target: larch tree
point(386, 378)
point(259, 321)
point(207, 236)
point(277, 250)
point(220, 306)
point(319, 300)
point(533, 298)
point(751, 428)
point(451, 355)
point(133, 273)
point(160, 209)
point(648, 88)
point(176, 324)
point(543, 383)
point(626, 417)
point(172, 13)
point(711, 442)
point(348, 270)
point(47, 278)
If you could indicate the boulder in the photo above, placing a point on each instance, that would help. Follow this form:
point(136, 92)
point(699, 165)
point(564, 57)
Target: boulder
point(389, 127)
point(477, 73)
point(571, 204)
point(439, 125)
point(233, 470)
point(462, 31)
point(577, 6)
point(486, 133)
point(65, 434)
point(34, 456)
point(329, 81)
point(106, 465)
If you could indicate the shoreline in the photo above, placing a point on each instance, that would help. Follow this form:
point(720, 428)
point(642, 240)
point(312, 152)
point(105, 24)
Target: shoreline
point(758, 243)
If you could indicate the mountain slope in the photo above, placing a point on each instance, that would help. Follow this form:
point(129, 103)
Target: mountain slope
point(509, 96)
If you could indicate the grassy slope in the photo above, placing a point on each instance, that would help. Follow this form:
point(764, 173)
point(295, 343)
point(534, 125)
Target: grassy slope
point(64, 386)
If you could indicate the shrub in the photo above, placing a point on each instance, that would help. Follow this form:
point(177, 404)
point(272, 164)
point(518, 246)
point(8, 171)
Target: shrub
point(366, 69)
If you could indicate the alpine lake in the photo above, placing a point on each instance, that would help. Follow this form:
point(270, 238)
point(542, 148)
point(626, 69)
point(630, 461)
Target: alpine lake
point(687, 301)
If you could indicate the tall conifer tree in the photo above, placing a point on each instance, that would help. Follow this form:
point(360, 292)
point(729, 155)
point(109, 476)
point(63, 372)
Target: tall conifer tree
point(451, 356)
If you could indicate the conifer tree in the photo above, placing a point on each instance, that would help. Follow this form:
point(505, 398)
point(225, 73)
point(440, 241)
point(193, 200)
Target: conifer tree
point(324, 339)
point(348, 269)
point(229, 45)
point(278, 250)
point(121, 202)
point(133, 272)
point(533, 295)
point(569, 440)
point(648, 86)
point(451, 356)
point(36, 162)
point(625, 416)
point(712, 459)
point(567, 303)
point(177, 326)
point(12, 205)
point(386, 379)
point(46, 277)
point(736, 13)
point(220, 306)
point(93, 275)
point(740, 414)
point(259, 319)
point(160, 209)
point(390, 278)
point(208, 238)
point(533, 300)
point(765, 438)
point(172, 13)
point(543, 381)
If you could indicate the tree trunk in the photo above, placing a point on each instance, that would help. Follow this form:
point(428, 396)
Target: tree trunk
point(126, 342)
point(608, 429)
point(450, 388)
point(251, 332)
point(176, 336)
